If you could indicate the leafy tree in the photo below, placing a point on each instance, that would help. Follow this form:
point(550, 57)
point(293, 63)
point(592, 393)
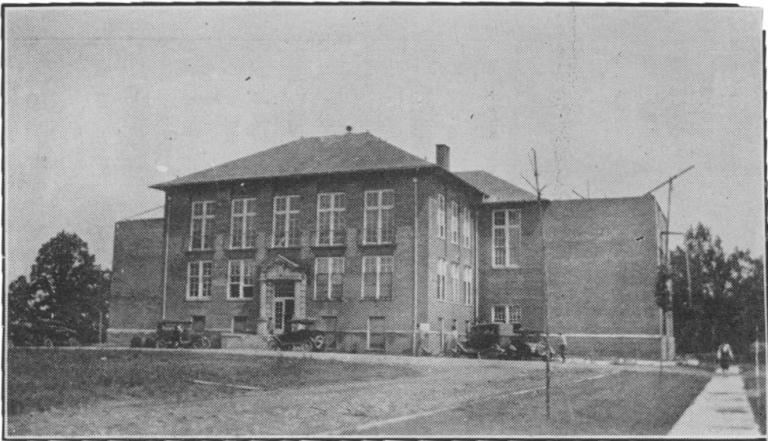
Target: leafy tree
point(66, 285)
point(725, 297)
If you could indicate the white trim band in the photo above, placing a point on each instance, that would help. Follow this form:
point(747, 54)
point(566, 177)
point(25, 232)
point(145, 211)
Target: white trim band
point(612, 335)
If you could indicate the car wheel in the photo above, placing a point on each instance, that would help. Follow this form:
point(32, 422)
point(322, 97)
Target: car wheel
point(160, 343)
point(319, 343)
point(202, 343)
point(47, 342)
point(73, 342)
point(271, 344)
point(307, 346)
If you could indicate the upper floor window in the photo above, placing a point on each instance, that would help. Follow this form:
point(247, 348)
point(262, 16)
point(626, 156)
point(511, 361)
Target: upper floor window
point(455, 282)
point(454, 222)
point(242, 279)
point(285, 230)
point(243, 223)
point(201, 227)
point(329, 277)
point(378, 217)
point(506, 238)
point(441, 276)
point(441, 216)
point(330, 219)
point(377, 277)
point(466, 228)
point(199, 280)
point(467, 285)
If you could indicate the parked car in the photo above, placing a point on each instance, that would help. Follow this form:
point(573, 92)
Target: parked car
point(178, 334)
point(530, 345)
point(45, 332)
point(482, 342)
point(298, 334)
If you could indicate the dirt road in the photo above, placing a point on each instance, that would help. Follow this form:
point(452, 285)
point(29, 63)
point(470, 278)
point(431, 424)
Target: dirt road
point(305, 411)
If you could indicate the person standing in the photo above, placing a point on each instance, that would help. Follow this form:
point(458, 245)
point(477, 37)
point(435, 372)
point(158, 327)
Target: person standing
point(724, 356)
point(563, 346)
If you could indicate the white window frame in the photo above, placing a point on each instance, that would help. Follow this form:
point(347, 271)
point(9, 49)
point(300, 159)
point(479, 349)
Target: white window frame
point(505, 230)
point(200, 284)
point(467, 228)
point(380, 263)
point(242, 265)
point(468, 276)
point(336, 215)
point(441, 216)
point(245, 215)
point(455, 283)
point(441, 278)
point(286, 227)
point(379, 209)
point(494, 319)
point(205, 218)
point(332, 262)
point(454, 222)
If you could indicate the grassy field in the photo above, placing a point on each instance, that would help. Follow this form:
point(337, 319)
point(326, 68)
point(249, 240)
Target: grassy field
point(627, 403)
point(39, 379)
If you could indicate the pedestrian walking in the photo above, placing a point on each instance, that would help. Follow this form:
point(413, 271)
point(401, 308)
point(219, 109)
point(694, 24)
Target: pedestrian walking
point(563, 346)
point(724, 356)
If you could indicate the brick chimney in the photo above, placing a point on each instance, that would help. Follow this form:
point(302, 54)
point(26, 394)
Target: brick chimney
point(443, 156)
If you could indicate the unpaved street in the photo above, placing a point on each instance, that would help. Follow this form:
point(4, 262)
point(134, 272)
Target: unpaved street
point(305, 411)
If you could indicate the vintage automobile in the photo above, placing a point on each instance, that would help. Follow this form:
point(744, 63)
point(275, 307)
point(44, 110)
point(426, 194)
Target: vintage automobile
point(298, 335)
point(179, 334)
point(531, 345)
point(45, 332)
point(482, 342)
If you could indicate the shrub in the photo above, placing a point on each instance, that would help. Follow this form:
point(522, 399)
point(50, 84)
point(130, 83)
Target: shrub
point(150, 341)
point(136, 341)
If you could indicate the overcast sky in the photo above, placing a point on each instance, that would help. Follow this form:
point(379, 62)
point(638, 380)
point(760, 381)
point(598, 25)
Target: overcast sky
point(103, 102)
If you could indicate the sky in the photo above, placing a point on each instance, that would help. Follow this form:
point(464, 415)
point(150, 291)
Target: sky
point(102, 102)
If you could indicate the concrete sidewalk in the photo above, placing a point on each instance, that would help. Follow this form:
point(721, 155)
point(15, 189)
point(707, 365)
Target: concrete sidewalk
point(721, 409)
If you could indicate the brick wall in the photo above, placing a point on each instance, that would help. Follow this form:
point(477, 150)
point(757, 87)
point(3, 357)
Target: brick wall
point(136, 293)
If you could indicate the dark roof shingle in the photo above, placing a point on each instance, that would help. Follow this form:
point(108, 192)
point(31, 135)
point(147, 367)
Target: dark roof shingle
point(497, 189)
point(349, 152)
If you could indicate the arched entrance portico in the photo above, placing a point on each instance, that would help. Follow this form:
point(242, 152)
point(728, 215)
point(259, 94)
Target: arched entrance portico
point(284, 294)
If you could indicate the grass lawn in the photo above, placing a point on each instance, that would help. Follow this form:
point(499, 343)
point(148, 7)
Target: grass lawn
point(627, 403)
point(41, 379)
point(755, 387)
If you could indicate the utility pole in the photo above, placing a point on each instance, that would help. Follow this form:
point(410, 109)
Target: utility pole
point(668, 182)
point(539, 190)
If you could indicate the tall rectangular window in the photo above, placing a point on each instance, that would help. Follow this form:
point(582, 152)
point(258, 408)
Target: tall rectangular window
point(467, 285)
point(455, 282)
point(378, 217)
point(506, 238)
point(242, 278)
point(201, 228)
point(329, 277)
point(330, 219)
point(454, 222)
point(499, 314)
point(441, 216)
point(243, 223)
point(285, 231)
point(199, 280)
point(377, 277)
point(441, 276)
point(466, 228)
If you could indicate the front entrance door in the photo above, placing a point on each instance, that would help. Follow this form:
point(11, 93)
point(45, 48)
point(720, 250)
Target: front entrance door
point(284, 304)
